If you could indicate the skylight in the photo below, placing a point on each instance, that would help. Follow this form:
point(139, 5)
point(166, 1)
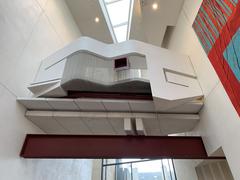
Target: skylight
point(118, 14)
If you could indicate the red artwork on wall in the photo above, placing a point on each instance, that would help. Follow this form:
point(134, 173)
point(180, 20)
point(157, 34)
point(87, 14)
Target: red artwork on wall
point(217, 26)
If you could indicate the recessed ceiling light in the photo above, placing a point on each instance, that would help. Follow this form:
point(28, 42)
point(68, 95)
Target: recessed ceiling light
point(97, 19)
point(155, 6)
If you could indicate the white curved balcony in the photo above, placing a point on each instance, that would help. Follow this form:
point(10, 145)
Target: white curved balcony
point(90, 73)
point(169, 76)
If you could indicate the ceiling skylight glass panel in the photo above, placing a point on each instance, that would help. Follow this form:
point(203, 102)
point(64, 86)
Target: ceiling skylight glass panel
point(121, 33)
point(118, 12)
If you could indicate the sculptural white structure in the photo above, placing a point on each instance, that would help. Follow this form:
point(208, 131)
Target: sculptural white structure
point(87, 65)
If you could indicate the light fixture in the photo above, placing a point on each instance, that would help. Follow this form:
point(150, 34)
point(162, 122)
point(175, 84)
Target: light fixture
point(155, 6)
point(97, 19)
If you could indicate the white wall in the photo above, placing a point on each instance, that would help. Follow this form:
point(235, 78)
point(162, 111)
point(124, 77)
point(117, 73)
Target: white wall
point(29, 31)
point(185, 169)
point(220, 124)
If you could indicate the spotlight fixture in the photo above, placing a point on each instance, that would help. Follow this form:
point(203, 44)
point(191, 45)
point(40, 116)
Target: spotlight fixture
point(97, 19)
point(155, 6)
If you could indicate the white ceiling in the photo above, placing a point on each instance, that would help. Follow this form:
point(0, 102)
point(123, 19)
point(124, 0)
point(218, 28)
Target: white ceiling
point(84, 13)
point(156, 22)
point(147, 25)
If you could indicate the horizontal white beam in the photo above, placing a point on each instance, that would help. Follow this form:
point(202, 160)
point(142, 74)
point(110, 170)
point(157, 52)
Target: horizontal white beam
point(111, 115)
point(105, 105)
